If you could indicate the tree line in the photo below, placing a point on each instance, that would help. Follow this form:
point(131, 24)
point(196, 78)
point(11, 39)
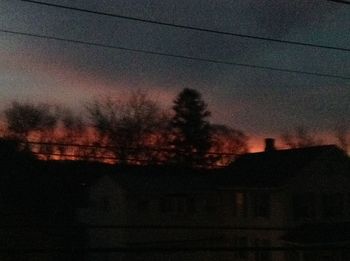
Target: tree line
point(302, 136)
point(135, 130)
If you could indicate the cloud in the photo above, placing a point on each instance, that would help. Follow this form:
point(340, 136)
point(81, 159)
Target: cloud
point(254, 100)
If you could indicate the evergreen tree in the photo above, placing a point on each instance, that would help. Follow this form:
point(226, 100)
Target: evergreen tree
point(191, 130)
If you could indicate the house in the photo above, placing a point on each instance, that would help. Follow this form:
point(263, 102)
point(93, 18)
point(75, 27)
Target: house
point(272, 205)
point(307, 194)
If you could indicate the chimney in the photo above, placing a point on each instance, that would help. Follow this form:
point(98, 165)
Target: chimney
point(269, 144)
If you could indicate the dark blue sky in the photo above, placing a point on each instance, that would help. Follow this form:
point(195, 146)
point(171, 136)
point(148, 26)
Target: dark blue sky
point(258, 102)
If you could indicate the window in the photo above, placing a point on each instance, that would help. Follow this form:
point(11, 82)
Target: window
point(262, 205)
point(263, 255)
point(240, 204)
point(143, 205)
point(190, 205)
point(211, 204)
point(310, 256)
point(304, 205)
point(177, 204)
point(105, 204)
point(166, 205)
point(241, 242)
point(180, 204)
point(332, 205)
point(291, 255)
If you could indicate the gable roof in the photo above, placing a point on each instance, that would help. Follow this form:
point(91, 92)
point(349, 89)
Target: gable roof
point(273, 168)
point(252, 170)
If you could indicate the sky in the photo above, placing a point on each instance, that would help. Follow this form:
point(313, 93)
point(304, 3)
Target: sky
point(261, 103)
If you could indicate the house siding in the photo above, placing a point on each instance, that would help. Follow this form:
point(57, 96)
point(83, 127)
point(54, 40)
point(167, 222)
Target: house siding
point(221, 217)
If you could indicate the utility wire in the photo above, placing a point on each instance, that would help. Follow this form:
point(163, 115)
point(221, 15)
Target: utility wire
point(149, 227)
point(77, 145)
point(169, 249)
point(340, 1)
point(185, 57)
point(193, 28)
point(105, 158)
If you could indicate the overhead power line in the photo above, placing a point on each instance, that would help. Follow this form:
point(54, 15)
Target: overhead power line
point(193, 28)
point(185, 57)
point(147, 227)
point(340, 1)
point(108, 147)
point(168, 249)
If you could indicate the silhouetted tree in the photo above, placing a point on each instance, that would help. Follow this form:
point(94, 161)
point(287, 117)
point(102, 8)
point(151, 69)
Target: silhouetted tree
point(301, 137)
point(36, 122)
point(191, 129)
point(24, 119)
point(128, 125)
point(227, 140)
point(47, 125)
point(72, 129)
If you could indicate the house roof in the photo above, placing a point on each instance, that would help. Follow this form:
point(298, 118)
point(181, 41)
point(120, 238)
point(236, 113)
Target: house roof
point(256, 170)
point(252, 170)
point(264, 169)
point(273, 168)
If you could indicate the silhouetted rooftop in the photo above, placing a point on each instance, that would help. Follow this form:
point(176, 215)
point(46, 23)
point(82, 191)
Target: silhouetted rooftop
point(263, 169)
point(272, 168)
